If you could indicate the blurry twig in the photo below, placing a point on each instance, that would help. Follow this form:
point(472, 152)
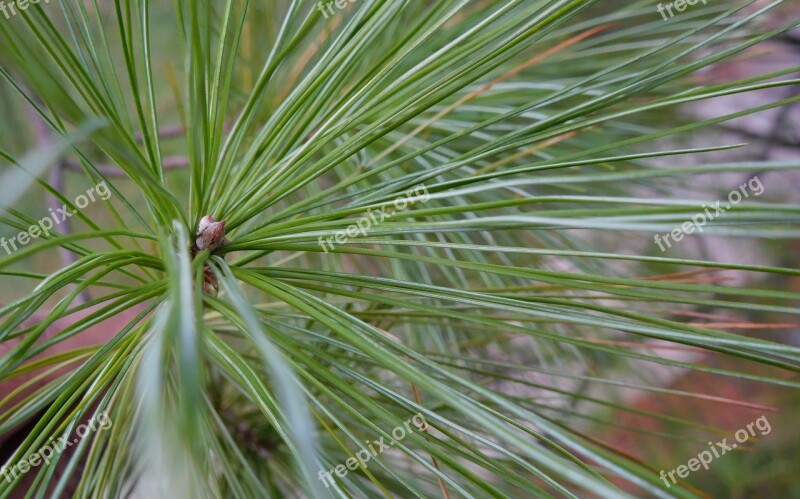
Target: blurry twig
point(172, 132)
point(170, 163)
point(56, 181)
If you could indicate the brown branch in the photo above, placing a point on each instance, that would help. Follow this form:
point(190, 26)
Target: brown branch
point(169, 163)
point(56, 181)
point(172, 132)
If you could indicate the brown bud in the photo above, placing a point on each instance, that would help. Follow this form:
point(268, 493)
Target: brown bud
point(210, 234)
point(210, 282)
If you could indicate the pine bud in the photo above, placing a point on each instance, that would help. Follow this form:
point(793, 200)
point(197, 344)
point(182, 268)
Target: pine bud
point(210, 234)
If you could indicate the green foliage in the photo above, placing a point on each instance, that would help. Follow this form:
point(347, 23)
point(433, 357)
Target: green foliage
point(530, 124)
